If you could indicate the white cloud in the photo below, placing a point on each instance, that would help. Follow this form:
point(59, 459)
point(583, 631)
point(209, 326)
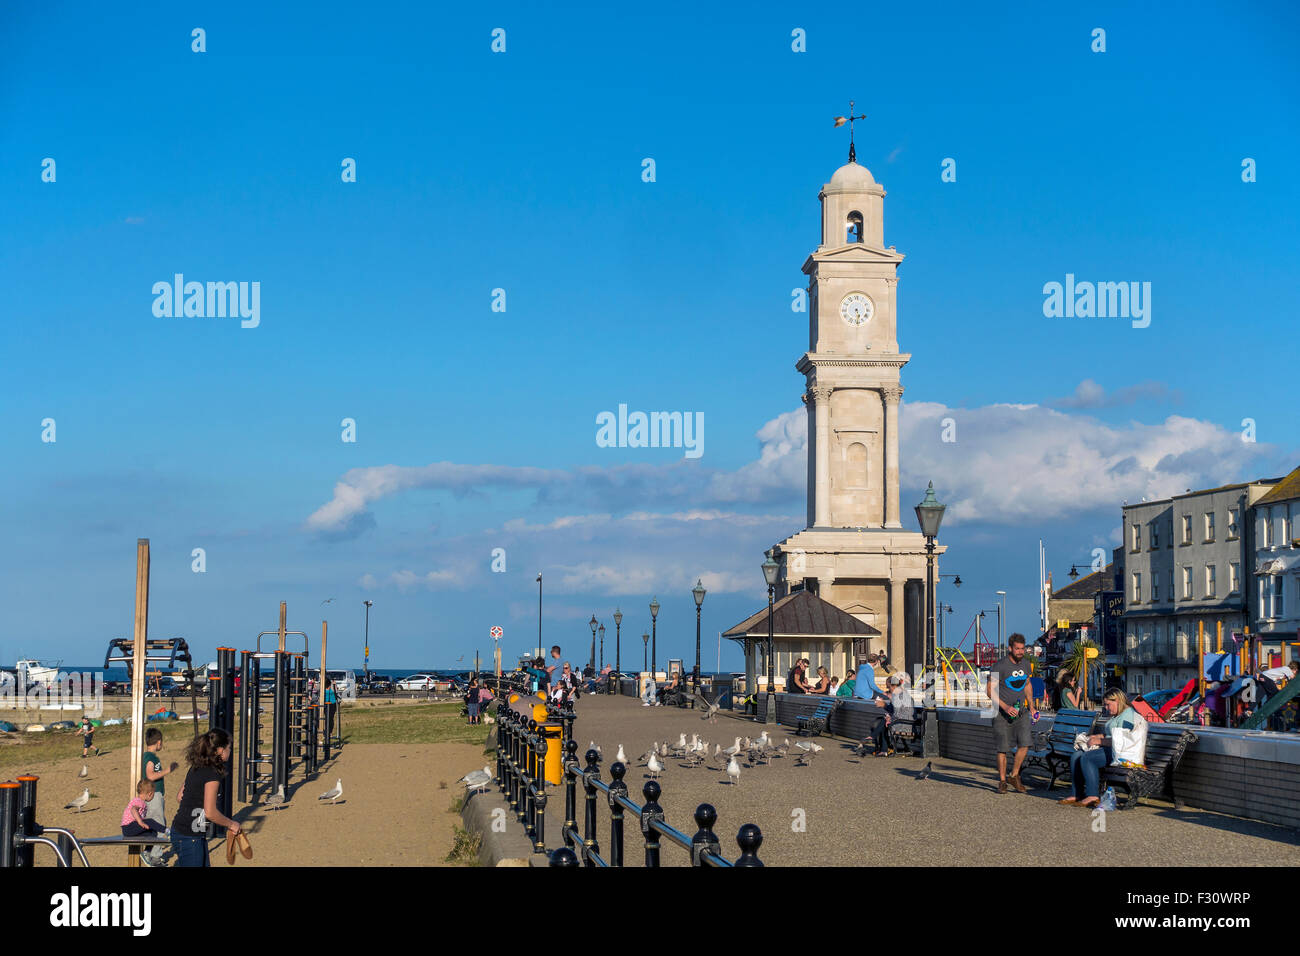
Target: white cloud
point(406, 581)
point(1010, 463)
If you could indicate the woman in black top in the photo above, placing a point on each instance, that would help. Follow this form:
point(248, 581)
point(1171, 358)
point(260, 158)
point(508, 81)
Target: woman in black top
point(206, 755)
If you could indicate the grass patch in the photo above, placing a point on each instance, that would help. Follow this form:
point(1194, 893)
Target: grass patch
point(457, 805)
point(464, 848)
point(22, 750)
point(414, 724)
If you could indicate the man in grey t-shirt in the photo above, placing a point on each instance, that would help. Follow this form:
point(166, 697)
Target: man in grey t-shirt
point(1009, 688)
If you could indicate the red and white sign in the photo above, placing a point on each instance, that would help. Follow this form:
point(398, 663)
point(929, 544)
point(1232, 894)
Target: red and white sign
point(497, 633)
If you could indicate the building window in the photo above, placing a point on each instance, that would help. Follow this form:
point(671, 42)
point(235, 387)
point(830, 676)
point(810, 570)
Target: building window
point(1171, 584)
point(1209, 581)
point(1279, 601)
point(1286, 528)
point(1187, 529)
point(1155, 588)
point(1234, 519)
point(1155, 681)
point(1139, 675)
point(1234, 577)
point(1155, 535)
point(1137, 537)
point(1181, 644)
point(1209, 526)
point(1267, 515)
point(1137, 587)
point(1187, 582)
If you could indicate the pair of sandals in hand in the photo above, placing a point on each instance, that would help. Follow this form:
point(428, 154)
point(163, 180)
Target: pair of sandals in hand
point(237, 841)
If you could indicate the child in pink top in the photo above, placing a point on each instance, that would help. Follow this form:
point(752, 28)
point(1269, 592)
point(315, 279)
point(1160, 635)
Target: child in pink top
point(134, 822)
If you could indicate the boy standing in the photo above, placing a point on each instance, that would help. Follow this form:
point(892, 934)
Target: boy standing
point(152, 770)
point(87, 736)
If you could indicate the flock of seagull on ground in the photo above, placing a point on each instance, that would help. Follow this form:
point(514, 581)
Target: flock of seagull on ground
point(696, 752)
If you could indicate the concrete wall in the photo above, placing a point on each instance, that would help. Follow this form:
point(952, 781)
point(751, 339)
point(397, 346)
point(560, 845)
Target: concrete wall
point(1252, 774)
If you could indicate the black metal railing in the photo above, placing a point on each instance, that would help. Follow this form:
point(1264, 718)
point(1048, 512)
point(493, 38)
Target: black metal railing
point(521, 770)
point(584, 848)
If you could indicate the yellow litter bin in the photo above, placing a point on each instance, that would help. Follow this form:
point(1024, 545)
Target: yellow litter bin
point(552, 731)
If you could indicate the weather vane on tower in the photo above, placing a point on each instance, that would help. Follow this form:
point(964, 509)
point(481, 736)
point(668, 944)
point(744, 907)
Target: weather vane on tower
point(841, 120)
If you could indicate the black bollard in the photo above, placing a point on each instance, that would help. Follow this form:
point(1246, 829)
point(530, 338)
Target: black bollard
point(27, 818)
point(589, 816)
point(8, 823)
point(749, 839)
point(570, 791)
point(564, 857)
point(539, 800)
point(280, 724)
point(704, 840)
point(530, 782)
point(651, 812)
point(617, 788)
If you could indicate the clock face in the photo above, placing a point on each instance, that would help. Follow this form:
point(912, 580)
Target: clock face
point(856, 309)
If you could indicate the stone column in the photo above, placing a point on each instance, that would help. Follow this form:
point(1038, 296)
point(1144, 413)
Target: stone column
point(890, 395)
point(822, 397)
point(896, 636)
point(892, 282)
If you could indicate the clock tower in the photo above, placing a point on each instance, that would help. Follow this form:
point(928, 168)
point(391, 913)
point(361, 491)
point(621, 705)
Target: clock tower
point(854, 552)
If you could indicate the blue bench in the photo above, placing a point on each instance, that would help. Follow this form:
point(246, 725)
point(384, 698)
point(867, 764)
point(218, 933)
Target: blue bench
point(817, 720)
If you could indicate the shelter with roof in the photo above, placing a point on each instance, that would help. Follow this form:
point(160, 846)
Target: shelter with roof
point(803, 625)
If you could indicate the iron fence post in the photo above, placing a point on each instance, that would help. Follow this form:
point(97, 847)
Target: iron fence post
point(749, 839)
point(651, 812)
point(617, 788)
point(589, 817)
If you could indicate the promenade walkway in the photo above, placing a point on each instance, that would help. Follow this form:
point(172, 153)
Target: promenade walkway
point(873, 811)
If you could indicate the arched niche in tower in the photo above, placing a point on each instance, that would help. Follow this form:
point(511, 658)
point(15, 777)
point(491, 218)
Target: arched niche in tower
point(853, 227)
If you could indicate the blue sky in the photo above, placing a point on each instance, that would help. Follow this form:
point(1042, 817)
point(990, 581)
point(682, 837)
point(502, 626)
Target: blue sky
point(522, 171)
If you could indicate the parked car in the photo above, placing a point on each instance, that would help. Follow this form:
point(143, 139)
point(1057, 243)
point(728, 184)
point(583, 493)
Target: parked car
point(345, 683)
point(379, 684)
point(163, 687)
point(423, 682)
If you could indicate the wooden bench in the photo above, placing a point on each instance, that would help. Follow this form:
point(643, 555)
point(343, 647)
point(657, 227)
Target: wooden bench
point(1052, 749)
point(816, 721)
point(1163, 754)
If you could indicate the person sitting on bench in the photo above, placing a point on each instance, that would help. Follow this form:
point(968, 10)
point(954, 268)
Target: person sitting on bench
point(668, 693)
point(1124, 743)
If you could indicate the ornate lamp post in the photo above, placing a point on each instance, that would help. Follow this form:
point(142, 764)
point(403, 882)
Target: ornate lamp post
point(770, 571)
point(601, 630)
point(618, 645)
point(929, 514)
point(593, 624)
point(698, 591)
point(654, 637)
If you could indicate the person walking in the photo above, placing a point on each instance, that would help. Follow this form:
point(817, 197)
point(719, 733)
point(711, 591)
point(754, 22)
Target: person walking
point(1008, 687)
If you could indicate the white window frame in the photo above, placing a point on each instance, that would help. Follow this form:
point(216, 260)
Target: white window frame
point(1136, 544)
point(1234, 577)
point(1211, 581)
point(1187, 529)
point(1209, 526)
point(1137, 587)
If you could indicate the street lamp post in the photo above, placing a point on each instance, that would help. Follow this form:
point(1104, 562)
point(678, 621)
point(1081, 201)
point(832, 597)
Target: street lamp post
point(1002, 596)
point(618, 648)
point(539, 613)
point(592, 665)
point(698, 592)
point(654, 637)
point(602, 646)
point(366, 665)
point(929, 514)
point(645, 648)
point(770, 571)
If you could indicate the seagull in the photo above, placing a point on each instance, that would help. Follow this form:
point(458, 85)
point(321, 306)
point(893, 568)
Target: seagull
point(477, 779)
point(733, 749)
point(80, 802)
point(333, 795)
point(809, 750)
point(925, 771)
point(85, 771)
point(645, 757)
point(596, 747)
point(276, 799)
point(620, 756)
point(328, 601)
point(733, 771)
point(654, 766)
point(663, 749)
point(710, 710)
